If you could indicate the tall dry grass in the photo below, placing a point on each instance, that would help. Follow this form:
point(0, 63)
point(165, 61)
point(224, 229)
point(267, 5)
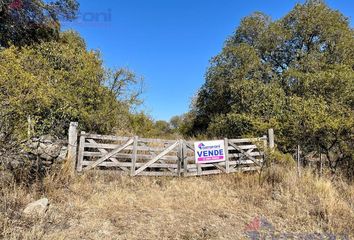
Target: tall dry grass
point(110, 206)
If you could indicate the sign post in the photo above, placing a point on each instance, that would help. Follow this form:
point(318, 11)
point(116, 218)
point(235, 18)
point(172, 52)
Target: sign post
point(209, 151)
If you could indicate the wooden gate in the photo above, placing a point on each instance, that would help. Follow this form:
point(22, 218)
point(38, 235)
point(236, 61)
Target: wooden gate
point(130, 155)
point(157, 157)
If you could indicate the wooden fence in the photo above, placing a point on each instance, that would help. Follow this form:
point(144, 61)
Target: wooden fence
point(158, 157)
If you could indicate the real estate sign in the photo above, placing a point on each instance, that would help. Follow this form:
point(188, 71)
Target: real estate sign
point(209, 151)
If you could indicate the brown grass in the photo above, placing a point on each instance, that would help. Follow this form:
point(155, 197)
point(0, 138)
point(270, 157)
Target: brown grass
point(96, 206)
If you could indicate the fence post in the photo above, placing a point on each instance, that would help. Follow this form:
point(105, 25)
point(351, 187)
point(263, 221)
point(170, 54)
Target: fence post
point(72, 144)
point(298, 161)
point(135, 156)
point(185, 160)
point(180, 157)
point(80, 156)
point(199, 169)
point(271, 138)
point(227, 160)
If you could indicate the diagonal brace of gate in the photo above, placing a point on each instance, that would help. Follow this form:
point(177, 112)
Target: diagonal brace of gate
point(245, 153)
point(108, 155)
point(163, 153)
point(102, 150)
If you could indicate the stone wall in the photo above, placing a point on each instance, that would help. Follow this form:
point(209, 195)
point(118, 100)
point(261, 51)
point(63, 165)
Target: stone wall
point(44, 151)
point(47, 149)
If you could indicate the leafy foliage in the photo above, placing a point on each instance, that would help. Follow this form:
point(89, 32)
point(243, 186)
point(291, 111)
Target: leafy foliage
point(144, 126)
point(295, 74)
point(24, 22)
point(60, 81)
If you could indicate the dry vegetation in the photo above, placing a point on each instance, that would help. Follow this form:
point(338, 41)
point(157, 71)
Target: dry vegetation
point(96, 206)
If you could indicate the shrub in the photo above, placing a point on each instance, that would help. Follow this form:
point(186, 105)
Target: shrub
point(54, 83)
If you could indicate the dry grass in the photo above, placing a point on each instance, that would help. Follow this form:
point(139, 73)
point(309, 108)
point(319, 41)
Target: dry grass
point(96, 206)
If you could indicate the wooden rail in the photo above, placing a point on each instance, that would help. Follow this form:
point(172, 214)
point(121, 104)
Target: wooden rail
point(158, 157)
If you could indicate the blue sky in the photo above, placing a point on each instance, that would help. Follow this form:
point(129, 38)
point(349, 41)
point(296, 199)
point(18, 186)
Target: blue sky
point(169, 42)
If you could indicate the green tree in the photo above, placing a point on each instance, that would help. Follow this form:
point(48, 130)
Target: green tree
point(60, 81)
point(295, 74)
point(25, 22)
point(142, 125)
point(176, 123)
point(163, 127)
